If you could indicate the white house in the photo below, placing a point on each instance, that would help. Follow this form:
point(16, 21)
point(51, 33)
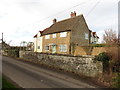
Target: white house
point(94, 38)
point(38, 42)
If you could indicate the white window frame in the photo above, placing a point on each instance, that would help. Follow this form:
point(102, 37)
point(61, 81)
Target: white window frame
point(47, 46)
point(63, 48)
point(63, 34)
point(54, 35)
point(86, 36)
point(95, 39)
point(47, 36)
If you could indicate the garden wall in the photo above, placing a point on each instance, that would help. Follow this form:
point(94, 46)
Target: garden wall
point(77, 64)
point(93, 50)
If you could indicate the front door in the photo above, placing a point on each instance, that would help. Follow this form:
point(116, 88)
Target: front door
point(54, 49)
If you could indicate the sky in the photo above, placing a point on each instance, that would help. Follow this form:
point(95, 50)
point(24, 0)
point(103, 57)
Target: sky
point(20, 20)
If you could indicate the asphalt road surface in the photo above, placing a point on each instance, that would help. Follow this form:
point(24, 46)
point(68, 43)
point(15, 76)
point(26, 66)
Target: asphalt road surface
point(32, 76)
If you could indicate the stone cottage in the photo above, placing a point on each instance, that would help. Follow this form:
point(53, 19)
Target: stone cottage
point(62, 36)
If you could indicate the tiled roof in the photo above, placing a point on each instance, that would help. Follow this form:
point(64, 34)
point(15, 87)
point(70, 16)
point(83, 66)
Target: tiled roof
point(39, 32)
point(94, 34)
point(61, 26)
point(35, 36)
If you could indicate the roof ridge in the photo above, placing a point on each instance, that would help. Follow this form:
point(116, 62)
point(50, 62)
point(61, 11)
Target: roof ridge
point(63, 25)
point(69, 18)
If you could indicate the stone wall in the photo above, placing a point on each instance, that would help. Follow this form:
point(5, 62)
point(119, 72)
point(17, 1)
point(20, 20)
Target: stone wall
point(86, 50)
point(77, 64)
point(79, 51)
point(93, 50)
point(57, 41)
point(98, 50)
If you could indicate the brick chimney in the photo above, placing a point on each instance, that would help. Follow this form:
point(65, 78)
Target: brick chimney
point(54, 21)
point(73, 14)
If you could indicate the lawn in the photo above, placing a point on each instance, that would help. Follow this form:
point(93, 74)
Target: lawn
point(7, 84)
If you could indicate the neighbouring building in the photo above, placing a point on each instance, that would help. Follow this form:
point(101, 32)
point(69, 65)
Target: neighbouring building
point(94, 38)
point(4, 46)
point(62, 36)
point(38, 42)
point(30, 46)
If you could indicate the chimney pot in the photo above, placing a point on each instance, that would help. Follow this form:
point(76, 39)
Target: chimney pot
point(73, 14)
point(54, 21)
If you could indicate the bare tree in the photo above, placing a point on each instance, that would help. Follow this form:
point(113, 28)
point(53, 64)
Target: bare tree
point(23, 44)
point(110, 37)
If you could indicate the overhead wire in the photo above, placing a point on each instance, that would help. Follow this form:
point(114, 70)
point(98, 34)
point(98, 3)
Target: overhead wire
point(88, 12)
point(93, 8)
point(55, 14)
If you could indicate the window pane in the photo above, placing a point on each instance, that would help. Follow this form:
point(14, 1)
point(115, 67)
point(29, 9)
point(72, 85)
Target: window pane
point(46, 47)
point(63, 48)
point(47, 36)
point(63, 34)
point(38, 47)
point(54, 35)
point(86, 36)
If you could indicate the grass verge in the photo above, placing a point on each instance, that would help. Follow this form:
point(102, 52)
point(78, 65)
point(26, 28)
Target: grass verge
point(6, 84)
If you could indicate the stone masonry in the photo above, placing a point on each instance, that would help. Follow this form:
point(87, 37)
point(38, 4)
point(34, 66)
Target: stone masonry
point(78, 64)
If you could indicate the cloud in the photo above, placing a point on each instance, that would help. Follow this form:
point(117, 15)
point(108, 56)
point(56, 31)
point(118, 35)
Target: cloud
point(22, 19)
point(104, 16)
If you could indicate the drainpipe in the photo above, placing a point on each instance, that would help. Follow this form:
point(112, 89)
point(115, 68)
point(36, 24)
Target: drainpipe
point(36, 44)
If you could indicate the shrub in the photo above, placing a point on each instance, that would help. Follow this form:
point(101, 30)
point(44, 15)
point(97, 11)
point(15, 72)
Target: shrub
point(116, 81)
point(12, 53)
point(104, 58)
point(98, 45)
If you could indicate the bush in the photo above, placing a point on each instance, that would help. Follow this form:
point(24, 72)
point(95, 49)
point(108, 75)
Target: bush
point(116, 67)
point(104, 58)
point(116, 81)
point(12, 53)
point(98, 45)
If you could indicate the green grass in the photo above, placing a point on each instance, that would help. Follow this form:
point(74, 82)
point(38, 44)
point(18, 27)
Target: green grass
point(7, 84)
point(0, 81)
point(98, 45)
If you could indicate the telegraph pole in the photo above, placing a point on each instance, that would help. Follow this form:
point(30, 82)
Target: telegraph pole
point(2, 40)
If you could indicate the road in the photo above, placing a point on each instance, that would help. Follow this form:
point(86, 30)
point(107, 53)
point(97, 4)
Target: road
point(32, 76)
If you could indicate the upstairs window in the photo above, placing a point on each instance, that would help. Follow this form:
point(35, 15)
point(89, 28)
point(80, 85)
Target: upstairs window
point(54, 35)
point(47, 36)
point(86, 36)
point(63, 34)
point(38, 47)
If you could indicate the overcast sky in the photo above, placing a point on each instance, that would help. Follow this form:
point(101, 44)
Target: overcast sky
point(20, 20)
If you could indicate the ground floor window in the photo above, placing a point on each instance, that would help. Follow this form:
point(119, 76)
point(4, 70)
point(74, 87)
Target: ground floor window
point(47, 48)
point(63, 48)
point(38, 47)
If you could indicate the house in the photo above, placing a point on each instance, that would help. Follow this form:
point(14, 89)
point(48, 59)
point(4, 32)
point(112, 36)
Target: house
point(63, 36)
point(4, 46)
point(30, 46)
point(94, 38)
point(38, 42)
